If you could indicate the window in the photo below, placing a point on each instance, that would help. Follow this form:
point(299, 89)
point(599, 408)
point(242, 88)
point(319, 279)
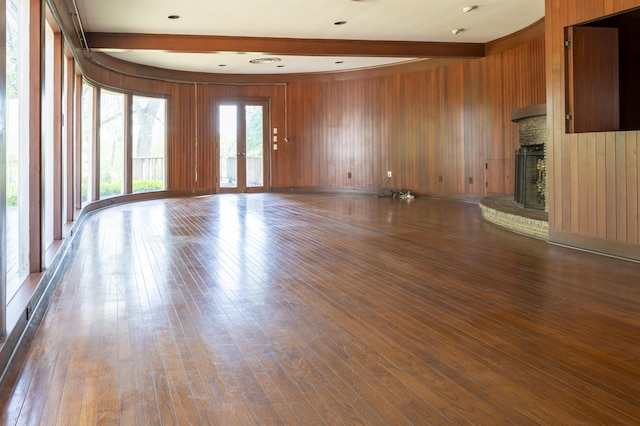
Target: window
point(148, 144)
point(86, 143)
point(254, 119)
point(111, 143)
point(48, 141)
point(17, 141)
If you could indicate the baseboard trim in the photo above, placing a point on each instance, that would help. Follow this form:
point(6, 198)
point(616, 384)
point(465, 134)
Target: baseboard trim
point(350, 190)
point(617, 249)
point(324, 190)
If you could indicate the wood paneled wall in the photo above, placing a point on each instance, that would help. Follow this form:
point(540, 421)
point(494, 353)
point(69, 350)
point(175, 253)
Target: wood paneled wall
point(443, 131)
point(183, 140)
point(594, 178)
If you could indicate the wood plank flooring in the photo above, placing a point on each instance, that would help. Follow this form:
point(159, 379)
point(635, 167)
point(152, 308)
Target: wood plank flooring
point(297, 309)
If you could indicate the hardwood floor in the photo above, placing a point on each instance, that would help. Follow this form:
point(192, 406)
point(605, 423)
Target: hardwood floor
point(300, 309)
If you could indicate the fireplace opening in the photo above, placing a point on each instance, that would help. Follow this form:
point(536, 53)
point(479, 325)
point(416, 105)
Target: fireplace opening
point(530, 179)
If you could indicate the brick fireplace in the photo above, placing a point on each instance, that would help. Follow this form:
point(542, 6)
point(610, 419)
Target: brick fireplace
point(530, 165)
point(525, 212)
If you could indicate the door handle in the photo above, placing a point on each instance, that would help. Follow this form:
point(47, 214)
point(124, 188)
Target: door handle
point(241, 154)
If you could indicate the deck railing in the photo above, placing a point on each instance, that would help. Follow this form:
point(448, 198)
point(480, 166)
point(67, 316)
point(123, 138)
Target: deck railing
point(148, 168)
point(254, 171)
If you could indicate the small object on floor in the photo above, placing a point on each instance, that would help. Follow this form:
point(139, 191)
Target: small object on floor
point(406, 195)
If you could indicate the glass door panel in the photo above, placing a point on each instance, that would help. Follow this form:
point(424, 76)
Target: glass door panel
point(255, 145)
point(242, 138)
point(111, 144)
point(228, 130)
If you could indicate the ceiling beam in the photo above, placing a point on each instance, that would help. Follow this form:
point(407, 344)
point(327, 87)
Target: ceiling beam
point(282, 46)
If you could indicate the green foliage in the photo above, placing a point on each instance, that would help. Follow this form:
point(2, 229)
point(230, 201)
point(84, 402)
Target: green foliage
point(12, 200)
point(147, 185)
point(83, 188)
point(108, 189)
point(115, 188)
point(254, 132)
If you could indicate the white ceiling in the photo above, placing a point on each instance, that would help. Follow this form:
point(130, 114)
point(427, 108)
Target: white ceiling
point(396, 20)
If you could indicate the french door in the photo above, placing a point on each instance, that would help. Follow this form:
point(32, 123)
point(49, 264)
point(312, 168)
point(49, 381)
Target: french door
point(242, 141)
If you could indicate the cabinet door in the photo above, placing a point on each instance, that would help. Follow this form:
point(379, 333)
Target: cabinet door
point(593, 99)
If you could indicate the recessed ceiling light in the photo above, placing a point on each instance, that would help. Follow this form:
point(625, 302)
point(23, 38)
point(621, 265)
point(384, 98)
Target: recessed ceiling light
point(468, 8)
point(340, 23)
point(173, 16)
point(457, 31)
point(270, 60)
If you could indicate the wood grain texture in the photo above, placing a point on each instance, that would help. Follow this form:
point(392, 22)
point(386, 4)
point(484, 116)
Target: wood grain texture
point(282, 46)
point(443, 131)
point(516, 39)
point(593, 82)
point(445, 122)
point(36, 77)
point(77, 140)
point(368, 123)
point(183, 138)
point(128, 143)
point(69, 141)
point(617, 171)
point(300, 309)
point(55, 69)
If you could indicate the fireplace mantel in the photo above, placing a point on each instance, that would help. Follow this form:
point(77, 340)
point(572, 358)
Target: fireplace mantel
point(527, 112)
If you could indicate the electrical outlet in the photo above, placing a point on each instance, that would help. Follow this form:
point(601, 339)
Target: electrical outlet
point(389, 174)
point(349, 175)
point(439, 178)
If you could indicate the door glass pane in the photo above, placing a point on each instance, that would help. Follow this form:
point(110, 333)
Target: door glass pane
point(111, 143)
point(228, 126)
point(255, 132)
point(149, 136)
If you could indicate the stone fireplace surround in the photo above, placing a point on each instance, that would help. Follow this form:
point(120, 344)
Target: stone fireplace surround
point(530, 176)
point(504, 210)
